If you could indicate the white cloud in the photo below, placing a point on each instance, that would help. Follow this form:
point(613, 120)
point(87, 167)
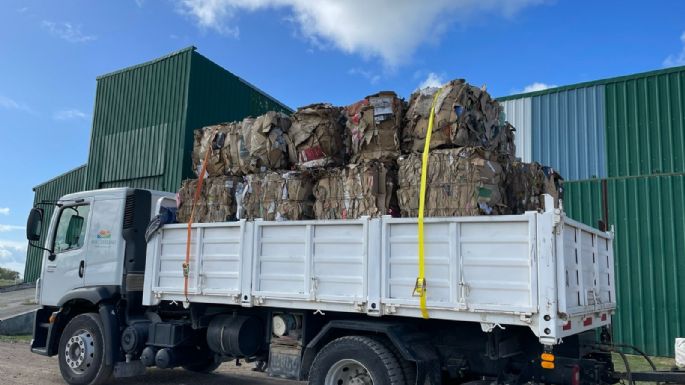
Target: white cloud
point(431, 81)
point(4, 211)
point(537, 86)
point(13, 254)
point(679, 59)
point(386, 29)
point(11, 104)
point(67, 31)
point(368, 75)
point(7, 228)
point(70, 114)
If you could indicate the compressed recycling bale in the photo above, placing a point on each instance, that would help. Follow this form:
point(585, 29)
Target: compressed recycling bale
point(216, 202)
point(317, 132)
point(223, 143)
point(276, 196)
point(460, 182)
point(374, 127)
point(356, 190)
point(265, 144)
point(464, 116)
point(526, 182)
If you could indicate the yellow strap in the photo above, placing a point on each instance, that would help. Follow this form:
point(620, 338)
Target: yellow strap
point(420, 287)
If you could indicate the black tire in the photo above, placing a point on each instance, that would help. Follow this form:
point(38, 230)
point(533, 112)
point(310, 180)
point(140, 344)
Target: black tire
point(378, 360)
point(208, 366)
point(408, 367)
point(86, 328)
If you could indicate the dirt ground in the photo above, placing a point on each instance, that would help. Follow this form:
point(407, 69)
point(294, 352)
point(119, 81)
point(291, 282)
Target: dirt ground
point(18, 366)
point(17, 302)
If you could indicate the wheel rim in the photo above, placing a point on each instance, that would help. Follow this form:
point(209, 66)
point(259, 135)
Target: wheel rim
point(348, 372)
point(79, 351)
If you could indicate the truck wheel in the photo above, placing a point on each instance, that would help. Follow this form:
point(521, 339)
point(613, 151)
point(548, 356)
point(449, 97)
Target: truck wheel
point(81, 353)
point(355, 360)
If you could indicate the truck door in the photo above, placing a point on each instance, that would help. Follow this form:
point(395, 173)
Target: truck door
point(105, 262)
point(65, 268)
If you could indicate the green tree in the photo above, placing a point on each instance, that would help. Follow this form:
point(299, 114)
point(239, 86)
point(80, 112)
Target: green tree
point(8, 274)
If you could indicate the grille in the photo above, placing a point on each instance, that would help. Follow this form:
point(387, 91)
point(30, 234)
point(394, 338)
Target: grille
point(129, 211)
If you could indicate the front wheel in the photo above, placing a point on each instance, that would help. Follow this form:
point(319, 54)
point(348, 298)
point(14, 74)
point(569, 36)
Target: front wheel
point(355, 360)
point(81, 351)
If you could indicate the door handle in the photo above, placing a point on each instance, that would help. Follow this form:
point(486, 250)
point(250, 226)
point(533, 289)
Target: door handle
point(80, 269)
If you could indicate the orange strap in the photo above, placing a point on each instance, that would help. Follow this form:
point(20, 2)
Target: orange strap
point(196, 196)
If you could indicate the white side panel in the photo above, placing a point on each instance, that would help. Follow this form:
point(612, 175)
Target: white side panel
point(318, 261)
point(171, 254)
point(586, 283)
point(484, 264)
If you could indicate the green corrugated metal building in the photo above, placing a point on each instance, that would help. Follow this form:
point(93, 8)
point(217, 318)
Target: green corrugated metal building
point(640, 190)
point(145, 116)
point(67, 183)
point(143, 123)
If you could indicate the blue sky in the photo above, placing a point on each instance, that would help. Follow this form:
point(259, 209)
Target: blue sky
point(300, 52)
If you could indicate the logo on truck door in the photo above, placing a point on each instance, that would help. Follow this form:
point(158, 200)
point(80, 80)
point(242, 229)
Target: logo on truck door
point(104, 234)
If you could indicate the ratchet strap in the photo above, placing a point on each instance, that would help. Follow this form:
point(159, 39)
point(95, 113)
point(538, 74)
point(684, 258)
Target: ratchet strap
point(420, 287)
point(196, 196)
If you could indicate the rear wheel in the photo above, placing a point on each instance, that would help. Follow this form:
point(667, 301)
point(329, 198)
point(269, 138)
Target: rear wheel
point(81, 353)
point(356, 360)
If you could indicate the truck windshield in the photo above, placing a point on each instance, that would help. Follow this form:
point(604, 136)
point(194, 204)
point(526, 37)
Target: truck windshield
point(71, 228)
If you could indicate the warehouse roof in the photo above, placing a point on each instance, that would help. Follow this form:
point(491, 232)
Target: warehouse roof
point(59, 176)
point(638, 75)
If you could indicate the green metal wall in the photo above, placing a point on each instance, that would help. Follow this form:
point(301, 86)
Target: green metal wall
point(649, 218)
point(145, 116)
point(648, 214)
point(138, 131)
point(67, 183)
point(645, 121)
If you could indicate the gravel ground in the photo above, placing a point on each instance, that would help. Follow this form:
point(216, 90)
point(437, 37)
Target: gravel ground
point(18, 366)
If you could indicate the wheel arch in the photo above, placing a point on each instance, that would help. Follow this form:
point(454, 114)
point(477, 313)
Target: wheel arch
point(408, 341)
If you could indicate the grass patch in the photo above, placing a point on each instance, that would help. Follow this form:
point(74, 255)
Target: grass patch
point(639, 364)
point(15, 339)
point(7, 282)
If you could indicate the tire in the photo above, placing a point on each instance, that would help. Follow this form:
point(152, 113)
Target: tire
point(365, 359)
point(408, 367)
point(81, 353)
point(208, 366)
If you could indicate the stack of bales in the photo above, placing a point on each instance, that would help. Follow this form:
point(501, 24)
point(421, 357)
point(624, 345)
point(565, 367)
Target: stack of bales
point(366, 186)
point(326, 162)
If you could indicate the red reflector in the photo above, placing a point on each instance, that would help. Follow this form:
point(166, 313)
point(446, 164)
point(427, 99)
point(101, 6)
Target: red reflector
point(567, 326)
point(587, 321)
point(575, 375)
point(604, 317)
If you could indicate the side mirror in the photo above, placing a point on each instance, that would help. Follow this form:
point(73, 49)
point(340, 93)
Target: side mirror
point(34, 224)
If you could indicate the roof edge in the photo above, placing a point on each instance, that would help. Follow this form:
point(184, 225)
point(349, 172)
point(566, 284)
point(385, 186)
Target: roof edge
point(191, 48)
point(59, 176)
point(592, 83)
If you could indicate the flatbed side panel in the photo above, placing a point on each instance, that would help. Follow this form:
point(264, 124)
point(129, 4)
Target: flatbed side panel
point(472, 263)
point(586, 273)
point(216, 260)
point(318, 261)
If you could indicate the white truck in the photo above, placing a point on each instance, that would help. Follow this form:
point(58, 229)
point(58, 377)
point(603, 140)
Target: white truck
point(510, 299)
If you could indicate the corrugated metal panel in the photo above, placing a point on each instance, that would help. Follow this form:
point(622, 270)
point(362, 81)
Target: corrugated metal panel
point(569, 132)
point(583, 201)
point(67, 183)
point(646, 124)
point(649, 216)
point(519, 113)
point(139, 124)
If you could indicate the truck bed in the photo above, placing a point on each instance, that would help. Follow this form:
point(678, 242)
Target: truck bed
point(539, 270)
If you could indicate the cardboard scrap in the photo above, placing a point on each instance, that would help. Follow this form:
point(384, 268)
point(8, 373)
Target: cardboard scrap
point(464, 116)
point(374, 127)
point(366, 189)
point(275, 196)
point(216, 202)
point(317, 132)
point(265, 144)
point(526, 182)
point(460, 182)
point(223, 143)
